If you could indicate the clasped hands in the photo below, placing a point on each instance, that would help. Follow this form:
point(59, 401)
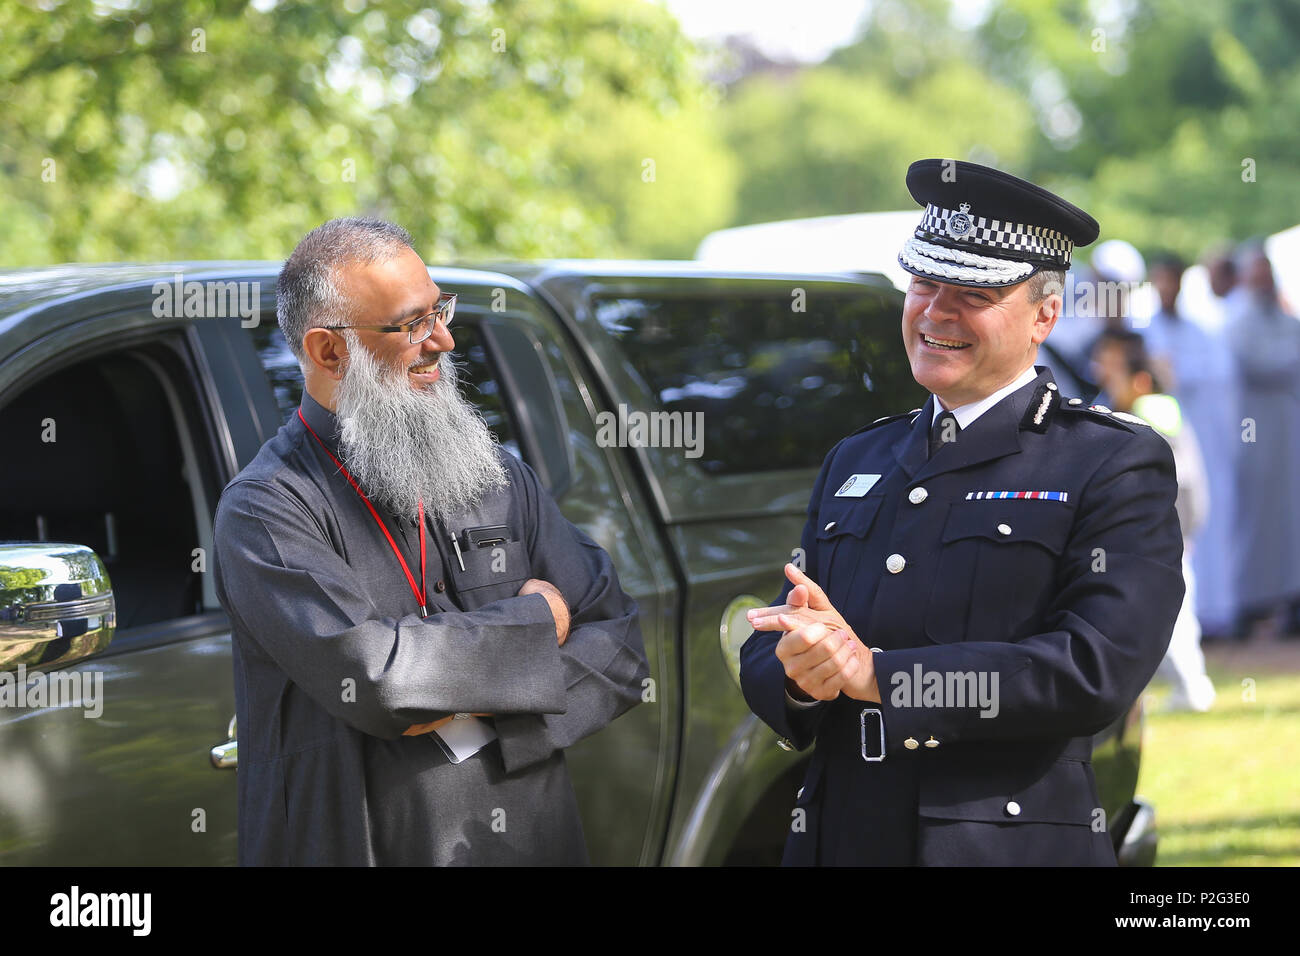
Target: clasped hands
point(559, 611)
point(821, 654)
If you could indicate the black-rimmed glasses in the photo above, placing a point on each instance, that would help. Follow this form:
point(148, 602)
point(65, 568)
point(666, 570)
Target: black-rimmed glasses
point(418, 329)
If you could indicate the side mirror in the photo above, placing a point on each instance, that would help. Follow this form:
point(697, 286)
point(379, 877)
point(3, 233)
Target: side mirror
point(56, 605)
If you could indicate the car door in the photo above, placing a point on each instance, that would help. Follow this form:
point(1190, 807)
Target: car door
point(113, 443)
point(753, 381)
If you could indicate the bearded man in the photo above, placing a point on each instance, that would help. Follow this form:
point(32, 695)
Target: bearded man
point(418, 633)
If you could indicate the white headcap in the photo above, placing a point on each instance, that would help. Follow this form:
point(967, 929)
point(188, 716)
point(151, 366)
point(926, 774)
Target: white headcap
point(1119, 261)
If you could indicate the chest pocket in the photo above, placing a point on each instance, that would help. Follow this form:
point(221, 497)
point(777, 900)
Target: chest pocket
point(845, 524)
point(492, 572)
point(997, 568)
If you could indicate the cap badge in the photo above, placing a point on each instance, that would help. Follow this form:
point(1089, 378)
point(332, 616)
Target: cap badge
point(960, 223)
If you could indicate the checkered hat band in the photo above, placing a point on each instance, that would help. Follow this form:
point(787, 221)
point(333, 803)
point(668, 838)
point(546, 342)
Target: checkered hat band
point(958, 266)
point(996, 234)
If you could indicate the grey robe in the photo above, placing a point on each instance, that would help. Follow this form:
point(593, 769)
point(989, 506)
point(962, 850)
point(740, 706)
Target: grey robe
point(332, 662)
point(1265, 343)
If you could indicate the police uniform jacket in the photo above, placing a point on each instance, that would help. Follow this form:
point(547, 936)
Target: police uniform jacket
point(1061, 603)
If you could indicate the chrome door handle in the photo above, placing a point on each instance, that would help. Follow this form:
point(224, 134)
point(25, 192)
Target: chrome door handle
point(226, 756)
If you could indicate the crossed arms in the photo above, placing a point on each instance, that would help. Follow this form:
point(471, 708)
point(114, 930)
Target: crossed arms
point(547, 681)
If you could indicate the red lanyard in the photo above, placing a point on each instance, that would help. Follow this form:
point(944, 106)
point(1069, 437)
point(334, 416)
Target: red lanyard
point(421, 593)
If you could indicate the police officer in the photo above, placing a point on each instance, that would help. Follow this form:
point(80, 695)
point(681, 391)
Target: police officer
point(990, 580)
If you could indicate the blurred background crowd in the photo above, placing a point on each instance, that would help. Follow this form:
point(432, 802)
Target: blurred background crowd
point(1216, 369)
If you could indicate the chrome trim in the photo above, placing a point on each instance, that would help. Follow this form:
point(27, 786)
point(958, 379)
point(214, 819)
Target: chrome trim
point(58, 610)
point(51, 593)
point(226, 756)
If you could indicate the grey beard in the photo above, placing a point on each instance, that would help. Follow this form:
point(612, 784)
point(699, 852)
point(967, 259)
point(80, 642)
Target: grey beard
point(404, 445)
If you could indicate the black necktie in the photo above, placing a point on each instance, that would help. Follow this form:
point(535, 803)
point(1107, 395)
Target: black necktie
point(941, 430)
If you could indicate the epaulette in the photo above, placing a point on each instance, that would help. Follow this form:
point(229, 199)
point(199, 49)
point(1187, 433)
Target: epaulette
point(1038, 413)
point(884, 421)
point(1102, 413)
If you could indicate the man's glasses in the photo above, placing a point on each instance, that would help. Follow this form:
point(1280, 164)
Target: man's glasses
point(418, 329)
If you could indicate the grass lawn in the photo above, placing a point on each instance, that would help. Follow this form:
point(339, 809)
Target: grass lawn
point(1226, 784)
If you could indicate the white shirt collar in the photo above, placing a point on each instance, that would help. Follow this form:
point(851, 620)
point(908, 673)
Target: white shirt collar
point(966, 414)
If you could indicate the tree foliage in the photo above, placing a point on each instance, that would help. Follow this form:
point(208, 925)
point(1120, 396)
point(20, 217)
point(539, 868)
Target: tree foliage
point(1171, 122)
point(1168, 120)
point(167, 129)
point(184, 128)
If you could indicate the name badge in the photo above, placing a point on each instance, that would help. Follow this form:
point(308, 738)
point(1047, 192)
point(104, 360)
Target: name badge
point(857, 486)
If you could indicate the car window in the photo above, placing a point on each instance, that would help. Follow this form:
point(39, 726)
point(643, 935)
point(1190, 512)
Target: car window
point(110, 454)
point(480, 382)
point(776, 387)
point(281, 367)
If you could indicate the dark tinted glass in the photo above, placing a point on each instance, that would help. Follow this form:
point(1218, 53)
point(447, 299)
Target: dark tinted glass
point(281, 367)
point(777, 387)
point(478, 382)
point(135, 507)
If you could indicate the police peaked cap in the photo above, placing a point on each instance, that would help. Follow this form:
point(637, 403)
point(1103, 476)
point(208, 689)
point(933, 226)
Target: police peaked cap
point(986, 228)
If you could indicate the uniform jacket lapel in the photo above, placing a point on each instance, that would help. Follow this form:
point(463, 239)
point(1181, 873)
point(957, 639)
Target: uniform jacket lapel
point(995, 434)
point(913, 448)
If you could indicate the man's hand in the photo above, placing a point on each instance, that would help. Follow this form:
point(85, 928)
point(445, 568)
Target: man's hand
point(821, 654)
point(818, 660)
point(823, 663)
point(559, 609)
point(806, 604)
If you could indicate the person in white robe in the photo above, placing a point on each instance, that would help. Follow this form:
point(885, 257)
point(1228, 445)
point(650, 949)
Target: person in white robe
point(1265, 345)
point(1195, 366)
point(1128, 374)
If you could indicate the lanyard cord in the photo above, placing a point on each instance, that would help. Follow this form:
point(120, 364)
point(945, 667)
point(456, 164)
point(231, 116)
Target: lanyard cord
point(421, 593)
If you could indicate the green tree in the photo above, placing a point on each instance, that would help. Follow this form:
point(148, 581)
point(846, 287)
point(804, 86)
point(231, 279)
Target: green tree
point(1172, 122)
point(183, 128)
point(838, 138)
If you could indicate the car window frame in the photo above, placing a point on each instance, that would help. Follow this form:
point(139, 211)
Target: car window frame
point(127, 328)
point(681, 492)
point(515, 354)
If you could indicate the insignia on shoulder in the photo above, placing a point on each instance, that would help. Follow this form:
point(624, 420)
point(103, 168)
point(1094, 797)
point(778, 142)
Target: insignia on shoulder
point(1043, 407)
point(1125, 416)
point(1100, 408)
